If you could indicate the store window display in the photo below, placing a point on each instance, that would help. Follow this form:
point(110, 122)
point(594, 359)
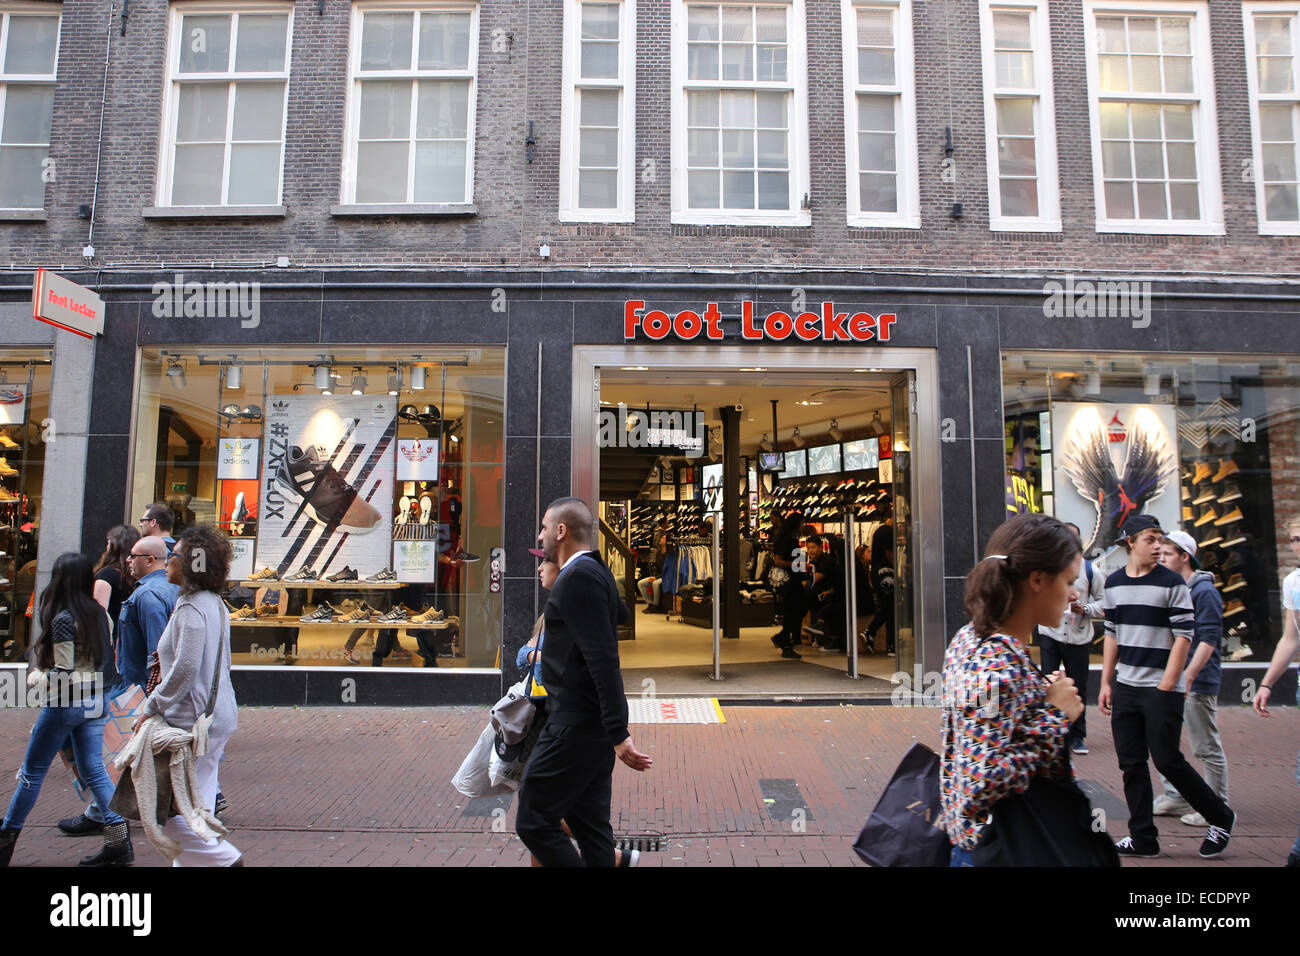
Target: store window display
point(24, 429)
point(1206, 444)
point(358, 489)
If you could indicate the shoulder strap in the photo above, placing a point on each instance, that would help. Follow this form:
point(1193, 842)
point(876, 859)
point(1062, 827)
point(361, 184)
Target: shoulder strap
point(1087, 567)
point(216, 672)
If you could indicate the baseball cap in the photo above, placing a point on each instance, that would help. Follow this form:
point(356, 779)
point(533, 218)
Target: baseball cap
point(1184, 542)
point(1139, 523)
point(537, 552)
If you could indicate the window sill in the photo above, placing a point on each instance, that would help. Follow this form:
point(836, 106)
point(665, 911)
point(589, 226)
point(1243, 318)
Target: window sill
point(23, 215)
point(1163, 227)
point(215, 212)
point(431, 209)
point(796, 220)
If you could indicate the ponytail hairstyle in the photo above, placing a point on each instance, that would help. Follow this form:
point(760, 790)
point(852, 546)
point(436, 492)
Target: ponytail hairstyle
point(1020, 546)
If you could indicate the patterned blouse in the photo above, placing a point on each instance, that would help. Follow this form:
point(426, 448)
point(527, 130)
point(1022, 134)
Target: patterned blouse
point(998, 731)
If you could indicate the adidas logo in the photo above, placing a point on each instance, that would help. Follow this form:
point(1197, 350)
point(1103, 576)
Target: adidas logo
point(416, 451)
point(280, 406)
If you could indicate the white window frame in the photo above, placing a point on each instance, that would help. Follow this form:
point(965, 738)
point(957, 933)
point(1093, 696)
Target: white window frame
point(1210, 184)
point(348, 181)
point(171, 96)
point(1049, 186)
point(908, 215)
point(797, 64)
point(44, 79)
point(625, 83)
point(1248, 12)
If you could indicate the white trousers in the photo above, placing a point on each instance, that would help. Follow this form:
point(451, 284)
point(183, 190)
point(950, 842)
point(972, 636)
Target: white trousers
point(196, 852)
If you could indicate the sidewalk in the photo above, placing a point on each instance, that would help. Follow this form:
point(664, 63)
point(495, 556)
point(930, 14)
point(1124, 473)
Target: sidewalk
point(773, 786)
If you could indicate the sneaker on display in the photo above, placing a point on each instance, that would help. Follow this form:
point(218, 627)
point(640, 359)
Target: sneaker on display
point(322, 614)
point(326, 495)
point(346, 574)
point(397, 615)
point(6, 468)
point(266, 574)
point(6, 441)
point(382, 577)
point(463, 556)
point(304, 573)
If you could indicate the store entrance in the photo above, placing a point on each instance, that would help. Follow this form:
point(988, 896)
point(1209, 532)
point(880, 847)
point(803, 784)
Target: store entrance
point(832, 448)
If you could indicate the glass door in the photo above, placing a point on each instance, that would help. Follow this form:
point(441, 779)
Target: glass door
point(903, 418)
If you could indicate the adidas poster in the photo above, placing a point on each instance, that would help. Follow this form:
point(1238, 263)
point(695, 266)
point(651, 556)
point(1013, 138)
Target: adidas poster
point(327, 483)
point(1110, 462)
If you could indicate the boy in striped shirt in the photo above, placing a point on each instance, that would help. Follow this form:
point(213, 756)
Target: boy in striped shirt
point(1149, 622)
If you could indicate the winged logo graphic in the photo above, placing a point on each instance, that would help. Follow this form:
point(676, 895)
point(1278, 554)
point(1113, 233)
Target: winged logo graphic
point(1148, 467)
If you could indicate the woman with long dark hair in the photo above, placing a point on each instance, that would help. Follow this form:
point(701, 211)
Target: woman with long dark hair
point(112, 575)
point(194, 657)
point(75, 652)
point(1004, 723)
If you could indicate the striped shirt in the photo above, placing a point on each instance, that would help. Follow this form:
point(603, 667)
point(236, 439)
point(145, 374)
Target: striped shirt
point(1145, 615)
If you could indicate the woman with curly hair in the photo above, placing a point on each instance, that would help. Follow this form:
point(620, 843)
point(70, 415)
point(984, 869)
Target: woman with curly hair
point(195, 643)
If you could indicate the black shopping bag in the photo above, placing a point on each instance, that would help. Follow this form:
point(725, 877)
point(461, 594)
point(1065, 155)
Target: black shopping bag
point(903, 829)
point(1049, 824)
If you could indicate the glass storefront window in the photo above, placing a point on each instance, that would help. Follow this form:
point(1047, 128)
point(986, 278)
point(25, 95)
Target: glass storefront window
point(25, 427)
point(362, 491)
point(1208, 444)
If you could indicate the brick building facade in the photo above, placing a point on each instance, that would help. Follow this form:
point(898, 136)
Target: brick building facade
point(430, 277)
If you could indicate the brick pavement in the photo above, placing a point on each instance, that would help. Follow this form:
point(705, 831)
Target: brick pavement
point(369, 787)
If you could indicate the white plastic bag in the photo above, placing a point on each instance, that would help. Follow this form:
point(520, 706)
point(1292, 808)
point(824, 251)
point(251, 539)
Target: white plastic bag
point(473, 778)
point(505, 773)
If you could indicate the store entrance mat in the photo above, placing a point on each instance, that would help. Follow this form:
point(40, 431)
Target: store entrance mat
point(674, 710)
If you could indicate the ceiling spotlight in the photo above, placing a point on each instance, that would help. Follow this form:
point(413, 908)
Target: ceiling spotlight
point(877, 427)
point(234, 375)
point(796, 439)
point(176, 373)
point(766, 443)
point(321, 376)
point(394, 382)
point(358, 381)
point(835, 430)
point(417, 377)
point(1094, 384)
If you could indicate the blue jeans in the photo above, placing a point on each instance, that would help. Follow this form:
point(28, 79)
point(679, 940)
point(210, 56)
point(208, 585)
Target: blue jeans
point(961, 857)
point(1296, 849)
point(53, 727)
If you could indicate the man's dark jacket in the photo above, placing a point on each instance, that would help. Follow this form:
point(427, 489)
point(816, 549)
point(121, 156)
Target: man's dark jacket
point(580, 663)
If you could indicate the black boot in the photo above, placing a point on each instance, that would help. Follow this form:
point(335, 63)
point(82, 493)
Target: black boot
point(116, 850)
point(7, 840)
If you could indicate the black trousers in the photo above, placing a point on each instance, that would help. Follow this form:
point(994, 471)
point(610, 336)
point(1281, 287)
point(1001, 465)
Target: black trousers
point(1074, 657)
point(1148, 721)
point(793, 607)
point(568, 778)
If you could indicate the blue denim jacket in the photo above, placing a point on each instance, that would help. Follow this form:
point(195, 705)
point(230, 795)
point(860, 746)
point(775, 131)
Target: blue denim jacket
point(142, 620)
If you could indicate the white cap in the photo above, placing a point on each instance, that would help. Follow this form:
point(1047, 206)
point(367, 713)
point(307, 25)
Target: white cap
point(1184, 541)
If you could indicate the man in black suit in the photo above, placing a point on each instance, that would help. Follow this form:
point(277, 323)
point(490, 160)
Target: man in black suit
point(568, 775)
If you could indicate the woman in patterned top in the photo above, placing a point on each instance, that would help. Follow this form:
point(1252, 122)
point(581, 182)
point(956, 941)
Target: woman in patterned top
point(1003, 722)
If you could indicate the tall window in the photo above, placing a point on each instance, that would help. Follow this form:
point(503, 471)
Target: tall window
point(597, 174)
point(1271, 40)
point(29, 44)
point(880, 114)
point(229, 79)
point(1023, 189)
point(739, 113)
point(412, 111)
point(1155, 147)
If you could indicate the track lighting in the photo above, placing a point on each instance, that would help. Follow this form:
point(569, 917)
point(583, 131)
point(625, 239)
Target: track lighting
point(394, 381)
point(417, 377)
point(358, 381)
point(796, 439)
point(176, 373)
point(234, 375)
point(1150, 380)
point(835, 432)
point(321, 376)
point(765, 444)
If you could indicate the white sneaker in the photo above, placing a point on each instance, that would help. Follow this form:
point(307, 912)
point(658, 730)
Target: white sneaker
point(1167, 806)
point(1193, 819)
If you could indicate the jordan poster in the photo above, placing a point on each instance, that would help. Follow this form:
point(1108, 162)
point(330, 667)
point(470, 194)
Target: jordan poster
point(1112, 462)
point(327, 484)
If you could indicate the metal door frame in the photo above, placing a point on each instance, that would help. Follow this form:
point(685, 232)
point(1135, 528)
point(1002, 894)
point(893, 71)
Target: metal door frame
point(829, 363)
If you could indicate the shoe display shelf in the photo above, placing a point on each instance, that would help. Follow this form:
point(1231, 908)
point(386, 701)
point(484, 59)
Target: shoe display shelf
point(358, 585)
point(11, 498)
